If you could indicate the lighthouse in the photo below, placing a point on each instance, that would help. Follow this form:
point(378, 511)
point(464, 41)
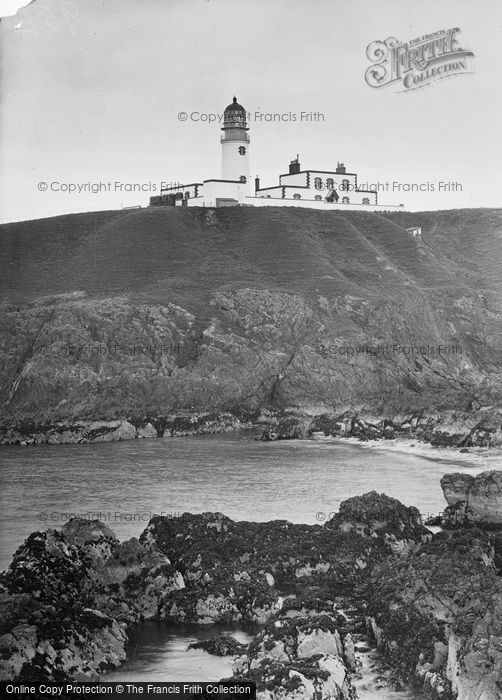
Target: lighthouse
point(308, 187)
point(235, 144)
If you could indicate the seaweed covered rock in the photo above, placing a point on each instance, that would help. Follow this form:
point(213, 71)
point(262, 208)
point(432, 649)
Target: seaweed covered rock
point(299, 656)
point(436, 615)
point(334, 426)
point(249, 562)
point(496, 540)
point(198, 607)
point(452, 428)
point(381, 517)
point(433, 604)
point(364, 430)
point(288, 428)
point(350, 424)
point(50, 626)
point(234, 571)
point(68, 597)
point(475, 660)
point(222, 645)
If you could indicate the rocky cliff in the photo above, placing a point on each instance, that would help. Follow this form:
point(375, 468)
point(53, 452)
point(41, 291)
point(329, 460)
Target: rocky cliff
point(161, 312)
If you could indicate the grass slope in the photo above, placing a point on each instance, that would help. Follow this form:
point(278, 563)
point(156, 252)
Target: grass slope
point(187, 254)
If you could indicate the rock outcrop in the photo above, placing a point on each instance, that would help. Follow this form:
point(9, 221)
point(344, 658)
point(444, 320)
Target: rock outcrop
point(117, 430)
point(299, 656)
point(222, 645)
point(473, 500)
point(69, 596)
point(383, 519)
point(432, 604)
point(460, 429)
point(292, 427)
point(436, 616)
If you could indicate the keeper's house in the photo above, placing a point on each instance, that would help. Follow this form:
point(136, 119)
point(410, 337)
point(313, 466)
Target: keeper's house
point(318, 189)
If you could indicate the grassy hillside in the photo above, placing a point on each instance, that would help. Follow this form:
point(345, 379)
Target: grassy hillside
point(251, 293)
point(150, 253)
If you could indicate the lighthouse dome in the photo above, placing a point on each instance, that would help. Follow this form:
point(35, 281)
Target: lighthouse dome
point(234, 116)
point(235, 107)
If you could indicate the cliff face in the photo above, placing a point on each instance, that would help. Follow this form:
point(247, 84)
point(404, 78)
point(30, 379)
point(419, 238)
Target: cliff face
point(145, 313)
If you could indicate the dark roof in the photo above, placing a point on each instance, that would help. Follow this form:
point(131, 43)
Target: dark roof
point(235, 107)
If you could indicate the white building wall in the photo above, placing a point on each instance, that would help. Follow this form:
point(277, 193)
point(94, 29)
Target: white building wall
point(293, 179)
point(338, 181)
point(348, 180)
point(337, 178)
point(270, 192)
point(195, 202)
point(217, 189)
point(313, 204)
point(304, 192)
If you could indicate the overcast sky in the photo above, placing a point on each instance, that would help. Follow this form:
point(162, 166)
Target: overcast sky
point(92, 89)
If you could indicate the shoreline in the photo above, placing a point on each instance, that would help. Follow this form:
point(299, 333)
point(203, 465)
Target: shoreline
point(475, 437)
point(481, 455)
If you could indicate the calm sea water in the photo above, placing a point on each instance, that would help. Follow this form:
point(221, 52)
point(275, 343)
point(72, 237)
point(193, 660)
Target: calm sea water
point(122, 484)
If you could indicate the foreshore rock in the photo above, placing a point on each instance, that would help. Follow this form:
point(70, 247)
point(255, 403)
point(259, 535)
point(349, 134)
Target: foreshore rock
point(381, 517)
point(118, 430)
point(431, 603)
point(300, 655)
point(437, 617)
point(446, 429)
point(222, 645)
point(462, 430)
point(69, 596)
point(473, 500)
point(288, 428)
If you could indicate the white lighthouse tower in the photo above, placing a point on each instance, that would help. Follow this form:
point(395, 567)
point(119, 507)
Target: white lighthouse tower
point(235, 145)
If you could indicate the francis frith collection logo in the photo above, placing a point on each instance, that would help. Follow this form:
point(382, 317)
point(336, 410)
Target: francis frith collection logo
point(419, 62)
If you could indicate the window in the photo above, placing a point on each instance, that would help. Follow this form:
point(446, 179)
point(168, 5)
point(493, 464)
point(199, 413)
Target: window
point(318, 197)
point(297, 196)
point(366, 200)
point(318, 183)
point(345, 185)
point(330, 185)
point(345, 200)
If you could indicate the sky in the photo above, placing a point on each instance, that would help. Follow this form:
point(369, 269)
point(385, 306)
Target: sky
point(92, 92)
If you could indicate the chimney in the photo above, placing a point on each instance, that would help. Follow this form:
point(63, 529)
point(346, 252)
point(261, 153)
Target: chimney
point(341, 169)
point(294, 166)
point(256, 183)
